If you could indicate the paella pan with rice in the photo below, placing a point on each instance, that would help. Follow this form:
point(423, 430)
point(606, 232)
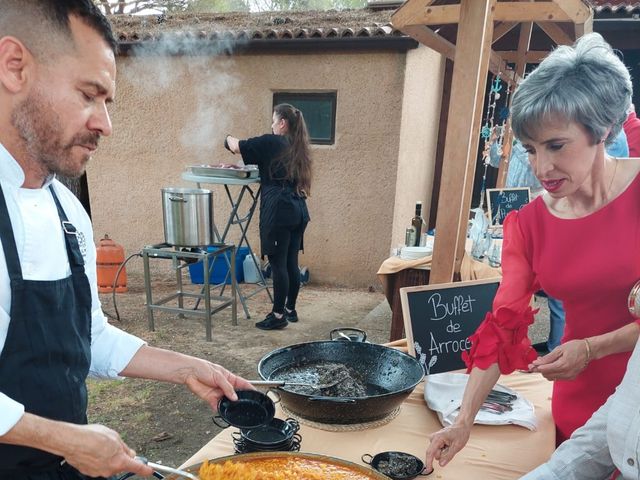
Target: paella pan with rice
point(281, 466)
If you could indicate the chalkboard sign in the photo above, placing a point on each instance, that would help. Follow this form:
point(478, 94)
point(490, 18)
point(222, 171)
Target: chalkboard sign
point(501, 201)
point(438, 320)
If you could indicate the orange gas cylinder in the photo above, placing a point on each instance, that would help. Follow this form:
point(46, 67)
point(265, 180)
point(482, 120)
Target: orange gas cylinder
point(109, 257)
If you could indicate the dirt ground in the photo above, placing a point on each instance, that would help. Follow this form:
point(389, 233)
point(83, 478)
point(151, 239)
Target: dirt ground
point(166, 423)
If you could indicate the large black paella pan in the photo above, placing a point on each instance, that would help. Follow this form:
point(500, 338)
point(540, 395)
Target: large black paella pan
point(381, 378)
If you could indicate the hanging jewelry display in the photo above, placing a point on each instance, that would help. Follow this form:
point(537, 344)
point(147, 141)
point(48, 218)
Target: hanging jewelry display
point(486, 133)
point(503, 117)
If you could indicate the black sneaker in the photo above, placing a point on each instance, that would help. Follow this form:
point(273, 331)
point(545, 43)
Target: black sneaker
point(271, 322)
point(291, 316)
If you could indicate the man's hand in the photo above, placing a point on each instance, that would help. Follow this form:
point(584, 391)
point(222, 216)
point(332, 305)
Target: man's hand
point(207, 380)
point(211, 382)
point(98, 451)
point(565, 362)
point(94, 450)
point(445, 444)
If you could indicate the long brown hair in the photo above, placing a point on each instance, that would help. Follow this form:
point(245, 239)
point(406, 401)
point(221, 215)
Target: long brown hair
point(296, 159)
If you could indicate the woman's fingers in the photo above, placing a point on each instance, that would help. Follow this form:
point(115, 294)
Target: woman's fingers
point(547, 359)
point(564, 363)
point(434, 452)
point(445, 444)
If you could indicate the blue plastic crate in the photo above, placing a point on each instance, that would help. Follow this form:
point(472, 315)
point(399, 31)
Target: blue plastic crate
point(220, 268)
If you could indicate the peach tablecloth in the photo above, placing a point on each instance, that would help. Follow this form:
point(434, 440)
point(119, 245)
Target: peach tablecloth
point(493, 452)
point(470, 269)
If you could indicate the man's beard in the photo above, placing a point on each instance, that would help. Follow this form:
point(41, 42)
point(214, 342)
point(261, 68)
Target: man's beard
point(40, 128)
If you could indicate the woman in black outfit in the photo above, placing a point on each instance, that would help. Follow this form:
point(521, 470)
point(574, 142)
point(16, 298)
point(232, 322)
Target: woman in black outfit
point(284, 163)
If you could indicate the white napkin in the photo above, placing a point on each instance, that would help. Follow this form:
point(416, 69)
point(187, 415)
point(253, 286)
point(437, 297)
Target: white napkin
point(443, 394)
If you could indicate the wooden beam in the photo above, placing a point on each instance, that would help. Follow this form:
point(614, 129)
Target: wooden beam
point(441, 15)
point(417, 12)
point(523, 47)
point(577, 10)
point(584, 28)
point(431, 39)
point(555, 33)
point(409, 13)
point(534, 56)
point(461, 145)
point(502, 29)
point(530, 12)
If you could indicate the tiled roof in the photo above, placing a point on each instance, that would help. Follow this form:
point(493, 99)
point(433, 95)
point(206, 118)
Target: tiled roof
point(616, 6)
point(256, 26)
point(291, 25)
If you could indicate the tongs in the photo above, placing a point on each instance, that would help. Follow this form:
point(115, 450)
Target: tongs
point(162, 468)
point(281, 383)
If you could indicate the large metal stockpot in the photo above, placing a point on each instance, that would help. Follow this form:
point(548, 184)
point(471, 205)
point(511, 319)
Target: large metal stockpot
point(188, 216)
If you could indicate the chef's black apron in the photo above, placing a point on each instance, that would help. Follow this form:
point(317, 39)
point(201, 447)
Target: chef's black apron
point(46, 357)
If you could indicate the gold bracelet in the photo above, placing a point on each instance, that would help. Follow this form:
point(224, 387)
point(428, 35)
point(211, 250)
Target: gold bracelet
point(588, 345)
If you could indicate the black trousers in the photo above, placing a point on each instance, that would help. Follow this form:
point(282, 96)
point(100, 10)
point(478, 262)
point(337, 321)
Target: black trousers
point(284, 266)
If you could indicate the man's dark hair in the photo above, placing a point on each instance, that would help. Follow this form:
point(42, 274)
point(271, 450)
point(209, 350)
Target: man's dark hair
point(38, 22)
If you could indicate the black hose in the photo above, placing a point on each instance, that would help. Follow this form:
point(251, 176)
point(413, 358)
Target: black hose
point(115, 282)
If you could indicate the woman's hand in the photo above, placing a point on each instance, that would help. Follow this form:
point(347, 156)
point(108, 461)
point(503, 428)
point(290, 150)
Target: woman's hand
point(445, 444)
point(232, 144)
point(565, 362)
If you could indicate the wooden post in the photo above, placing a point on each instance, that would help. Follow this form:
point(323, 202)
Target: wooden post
point(470, 70)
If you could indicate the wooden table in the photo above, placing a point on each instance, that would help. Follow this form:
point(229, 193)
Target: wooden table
point(493, 452)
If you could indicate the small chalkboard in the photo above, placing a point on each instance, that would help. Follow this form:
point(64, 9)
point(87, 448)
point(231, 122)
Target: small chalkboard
point(438, 320)
point(501, 201)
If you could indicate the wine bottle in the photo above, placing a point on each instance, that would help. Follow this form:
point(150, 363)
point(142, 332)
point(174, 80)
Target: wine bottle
point(417, 223)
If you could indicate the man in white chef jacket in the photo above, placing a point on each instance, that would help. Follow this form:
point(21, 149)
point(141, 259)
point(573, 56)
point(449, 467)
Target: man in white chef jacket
point(57, 78)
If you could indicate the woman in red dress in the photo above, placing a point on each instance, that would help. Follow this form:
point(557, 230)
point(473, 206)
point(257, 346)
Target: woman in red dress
point(579, 241)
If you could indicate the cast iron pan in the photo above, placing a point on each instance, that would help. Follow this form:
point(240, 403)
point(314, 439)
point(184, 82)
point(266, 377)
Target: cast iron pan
point(274, 433)
point(396, 465)
point(390, 376)
point(251, 410)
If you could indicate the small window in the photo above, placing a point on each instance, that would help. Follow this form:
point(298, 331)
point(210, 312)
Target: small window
point(319, 110)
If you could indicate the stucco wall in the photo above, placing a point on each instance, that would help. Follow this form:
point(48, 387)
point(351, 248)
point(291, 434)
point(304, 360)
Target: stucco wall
point(418, 137)
point(171, 112)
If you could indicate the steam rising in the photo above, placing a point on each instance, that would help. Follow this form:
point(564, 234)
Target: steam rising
point(166, 67)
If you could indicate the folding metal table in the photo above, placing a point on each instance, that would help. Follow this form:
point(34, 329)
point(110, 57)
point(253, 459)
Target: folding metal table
point(181, 258)
point(249, 187)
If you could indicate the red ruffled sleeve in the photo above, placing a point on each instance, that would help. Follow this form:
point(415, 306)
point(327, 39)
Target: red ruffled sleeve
point(502, 336)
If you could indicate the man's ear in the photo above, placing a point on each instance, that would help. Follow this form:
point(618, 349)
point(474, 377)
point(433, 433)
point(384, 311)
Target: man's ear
point(15, 63)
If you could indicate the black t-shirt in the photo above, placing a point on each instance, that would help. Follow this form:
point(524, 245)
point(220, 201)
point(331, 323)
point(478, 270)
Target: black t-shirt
point(280, 205)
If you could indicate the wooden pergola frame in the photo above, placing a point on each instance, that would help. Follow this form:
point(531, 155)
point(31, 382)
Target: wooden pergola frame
point(480, 23)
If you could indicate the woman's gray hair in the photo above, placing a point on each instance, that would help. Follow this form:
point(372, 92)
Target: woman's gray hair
point(585, 83)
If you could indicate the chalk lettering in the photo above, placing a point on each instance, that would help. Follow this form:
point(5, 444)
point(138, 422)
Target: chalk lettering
point(449, 346)
point(458, 305)
point(508, 197)
point(453, 327)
